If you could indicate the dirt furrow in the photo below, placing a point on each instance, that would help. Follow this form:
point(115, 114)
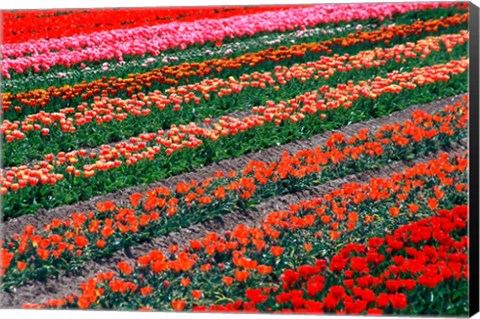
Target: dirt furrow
point(121, 197)
point(38, 292)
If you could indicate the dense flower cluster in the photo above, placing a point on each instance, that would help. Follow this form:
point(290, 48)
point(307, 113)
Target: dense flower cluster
point(384, 276)
point(355, 203)
point(380, 277)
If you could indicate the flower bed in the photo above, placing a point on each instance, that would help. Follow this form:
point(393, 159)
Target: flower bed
point(110, 228)
point(361, 277)
point(273, 159)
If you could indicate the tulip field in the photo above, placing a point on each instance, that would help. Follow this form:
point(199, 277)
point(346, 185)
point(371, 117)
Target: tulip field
point(273, 159)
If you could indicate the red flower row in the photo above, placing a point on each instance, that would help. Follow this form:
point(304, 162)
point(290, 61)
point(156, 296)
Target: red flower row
point(23, 26)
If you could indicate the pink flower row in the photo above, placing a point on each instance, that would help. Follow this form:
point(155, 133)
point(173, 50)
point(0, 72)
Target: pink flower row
point(153, 39)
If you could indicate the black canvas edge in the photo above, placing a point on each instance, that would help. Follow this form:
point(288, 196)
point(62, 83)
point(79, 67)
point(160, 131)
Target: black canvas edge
point(474, 195)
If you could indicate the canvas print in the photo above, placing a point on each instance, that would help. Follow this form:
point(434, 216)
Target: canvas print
point(275, 159)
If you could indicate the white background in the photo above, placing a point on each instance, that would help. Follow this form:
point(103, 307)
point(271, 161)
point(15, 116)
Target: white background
point(45, 4)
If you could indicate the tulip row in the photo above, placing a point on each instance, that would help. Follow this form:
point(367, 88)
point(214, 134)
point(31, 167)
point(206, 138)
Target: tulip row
point(119, 44)
point(223, 272)
point(184, 147)
point(114, 84)
point(68, 243)
point(97, 124)
point(98, 112)
point(51, 24)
